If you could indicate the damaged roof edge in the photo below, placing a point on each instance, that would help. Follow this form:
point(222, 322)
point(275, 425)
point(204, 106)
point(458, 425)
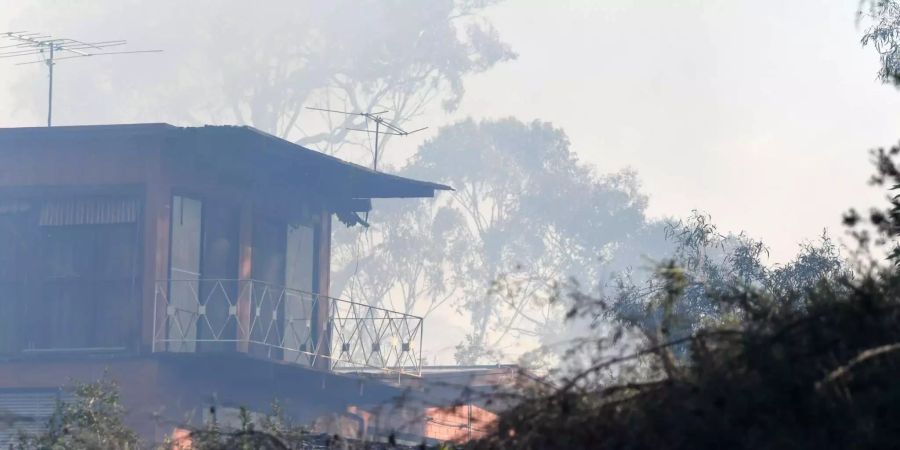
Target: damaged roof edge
point(378, 185)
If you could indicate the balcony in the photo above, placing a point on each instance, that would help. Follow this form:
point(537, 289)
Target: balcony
point(284, 325)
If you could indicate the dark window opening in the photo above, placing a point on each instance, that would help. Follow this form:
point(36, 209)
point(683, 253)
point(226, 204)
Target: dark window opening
point(69, 274)
point(14, 240)
point(88, 287)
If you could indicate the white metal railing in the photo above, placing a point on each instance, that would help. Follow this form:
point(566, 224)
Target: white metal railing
point(278, 323)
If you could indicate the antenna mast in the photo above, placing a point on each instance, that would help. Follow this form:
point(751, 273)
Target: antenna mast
point(49, 50)
point(392, 129)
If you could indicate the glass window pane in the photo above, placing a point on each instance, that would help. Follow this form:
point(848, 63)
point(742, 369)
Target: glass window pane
point(88, 289)
point(184, 285)
point(299, 304)
point(187, 214)
point(218, 287)
point(300, 258)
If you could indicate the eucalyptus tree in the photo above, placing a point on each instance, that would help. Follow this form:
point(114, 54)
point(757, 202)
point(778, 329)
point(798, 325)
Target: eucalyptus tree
point(883, 34)
point(524, 215)
point(879, 228)
point(708, 267)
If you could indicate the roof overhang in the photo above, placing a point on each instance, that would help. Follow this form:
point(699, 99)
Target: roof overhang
point(352, 180)
point(249, 145)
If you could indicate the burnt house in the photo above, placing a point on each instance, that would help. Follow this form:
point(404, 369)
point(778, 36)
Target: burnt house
point(192, 265)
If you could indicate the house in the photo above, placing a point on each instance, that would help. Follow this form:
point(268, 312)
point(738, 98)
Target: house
point(191, 265)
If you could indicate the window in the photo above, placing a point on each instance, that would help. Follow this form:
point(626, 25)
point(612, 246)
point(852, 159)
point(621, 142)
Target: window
point(88, 287)
point(69, 273)
point(283, 257)
point(13, 269)
point(187, 219)
point(299, 268)
point(203, 289)
point(87, 278)
point(184, 272)
point(298, 306)
point(202, 272)
point(268, 264)
point(219, 269)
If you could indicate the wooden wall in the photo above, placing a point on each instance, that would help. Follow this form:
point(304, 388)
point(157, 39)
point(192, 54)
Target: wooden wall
point(157, 168)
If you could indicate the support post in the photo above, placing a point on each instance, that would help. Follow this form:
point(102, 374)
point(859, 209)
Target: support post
point(377, 132)
point(50, 65)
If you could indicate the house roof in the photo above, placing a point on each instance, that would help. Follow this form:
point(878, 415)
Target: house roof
point(356, 181)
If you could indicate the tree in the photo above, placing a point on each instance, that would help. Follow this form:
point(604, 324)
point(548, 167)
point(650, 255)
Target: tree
point(736, 355)
point(815, 373)
point(525, 213)
point(245, 63)
point(400, 262)
point(880, 226)
point(705, 264)
point(797, 356)
point(884, 35)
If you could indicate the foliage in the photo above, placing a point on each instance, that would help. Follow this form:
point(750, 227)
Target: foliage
point(799, 356)
point(272, 431)
point(92, 421)
point(244, 63)
point(525, 213)
point(880, 227)
point(708, 263)
point(796, 371)
point(532, 214)
point(884, 35)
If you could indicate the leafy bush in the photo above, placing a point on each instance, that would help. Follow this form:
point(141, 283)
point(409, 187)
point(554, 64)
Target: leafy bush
point(92, 421)
point(814, 372)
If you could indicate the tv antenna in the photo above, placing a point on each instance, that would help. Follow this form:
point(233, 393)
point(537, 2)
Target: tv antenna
point(390, 128)
point(50, 49)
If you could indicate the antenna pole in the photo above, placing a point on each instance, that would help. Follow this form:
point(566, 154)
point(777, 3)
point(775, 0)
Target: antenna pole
point(391, 129)
point(46, 47)
point(375, 163)
point(50, 65)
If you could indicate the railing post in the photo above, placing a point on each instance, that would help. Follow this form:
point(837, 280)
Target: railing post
point(321, 325)
point(418, 354)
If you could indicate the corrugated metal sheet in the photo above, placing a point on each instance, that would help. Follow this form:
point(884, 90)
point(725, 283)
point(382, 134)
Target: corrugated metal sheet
point(25, 412)
point(89, 211)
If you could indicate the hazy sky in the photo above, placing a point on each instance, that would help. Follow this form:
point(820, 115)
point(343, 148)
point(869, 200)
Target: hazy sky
point(759, 112)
